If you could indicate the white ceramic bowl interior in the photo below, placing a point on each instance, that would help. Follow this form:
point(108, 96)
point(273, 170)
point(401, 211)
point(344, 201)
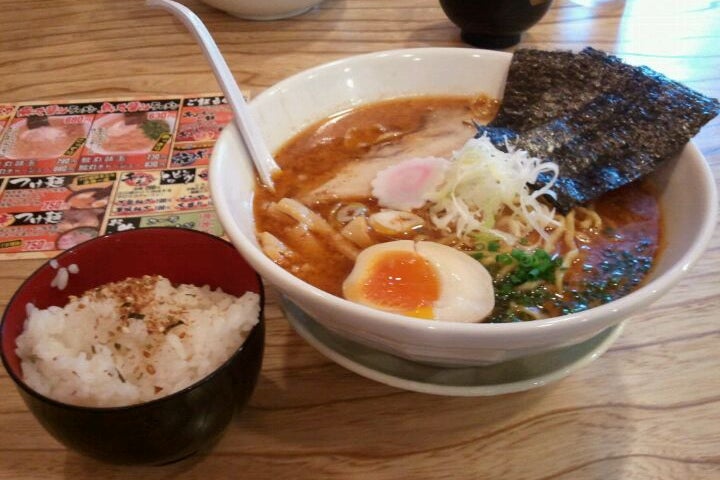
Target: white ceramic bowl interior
point(288, 107)
point(263, 9)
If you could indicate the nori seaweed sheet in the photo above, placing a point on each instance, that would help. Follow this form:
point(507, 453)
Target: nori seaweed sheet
point(603, 122)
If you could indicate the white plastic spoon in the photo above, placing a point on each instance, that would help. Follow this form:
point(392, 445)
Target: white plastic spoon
point(261, 156)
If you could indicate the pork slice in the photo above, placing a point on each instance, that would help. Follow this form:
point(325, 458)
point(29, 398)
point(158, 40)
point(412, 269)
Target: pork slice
point(442, 134)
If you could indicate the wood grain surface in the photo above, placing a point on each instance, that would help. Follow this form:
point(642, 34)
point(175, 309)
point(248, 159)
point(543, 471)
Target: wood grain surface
point(649, 408)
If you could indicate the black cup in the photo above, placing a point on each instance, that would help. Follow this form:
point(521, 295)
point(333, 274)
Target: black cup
point(494, 23)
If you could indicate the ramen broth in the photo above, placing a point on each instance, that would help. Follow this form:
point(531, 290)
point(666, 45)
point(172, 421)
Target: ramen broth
point(328, 168)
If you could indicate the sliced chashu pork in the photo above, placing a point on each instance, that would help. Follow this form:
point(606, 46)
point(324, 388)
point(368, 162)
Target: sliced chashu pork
point(442, 134)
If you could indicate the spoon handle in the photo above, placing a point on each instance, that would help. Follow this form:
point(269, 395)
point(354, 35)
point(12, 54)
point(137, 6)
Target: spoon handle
point(261, 156)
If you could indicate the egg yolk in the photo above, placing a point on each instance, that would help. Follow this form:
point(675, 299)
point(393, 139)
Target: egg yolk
point(403, 282)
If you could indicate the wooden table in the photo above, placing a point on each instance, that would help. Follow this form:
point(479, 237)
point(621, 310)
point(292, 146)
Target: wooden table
point(649, 408)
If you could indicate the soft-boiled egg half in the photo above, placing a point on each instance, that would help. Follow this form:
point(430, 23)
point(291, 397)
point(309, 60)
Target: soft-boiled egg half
point(421, 279)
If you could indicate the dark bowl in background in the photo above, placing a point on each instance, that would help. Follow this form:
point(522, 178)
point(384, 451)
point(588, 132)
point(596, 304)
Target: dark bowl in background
point(169, 428)
point(494, 23)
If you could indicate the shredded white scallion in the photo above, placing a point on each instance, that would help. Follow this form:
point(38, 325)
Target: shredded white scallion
point(483, 182)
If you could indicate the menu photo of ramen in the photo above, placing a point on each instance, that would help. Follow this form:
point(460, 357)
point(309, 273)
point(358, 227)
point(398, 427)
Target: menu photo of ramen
point(126, 140)
point(43, 140)
point(49, 213)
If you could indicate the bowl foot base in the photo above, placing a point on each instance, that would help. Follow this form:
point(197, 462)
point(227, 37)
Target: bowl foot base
point(280, 16)
point(490, 41)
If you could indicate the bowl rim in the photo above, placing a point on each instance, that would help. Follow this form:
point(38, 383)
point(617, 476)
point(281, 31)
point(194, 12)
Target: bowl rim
point(290, 284)
point(149, 403)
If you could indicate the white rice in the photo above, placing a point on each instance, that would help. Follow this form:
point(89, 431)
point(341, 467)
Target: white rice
point(132, 341)
point(61, 279)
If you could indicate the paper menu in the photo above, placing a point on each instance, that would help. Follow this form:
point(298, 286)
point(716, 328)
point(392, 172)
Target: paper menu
point(70, 170)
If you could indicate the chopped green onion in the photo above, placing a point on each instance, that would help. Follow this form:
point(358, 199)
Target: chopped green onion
point(536, 265)
point(504, 259)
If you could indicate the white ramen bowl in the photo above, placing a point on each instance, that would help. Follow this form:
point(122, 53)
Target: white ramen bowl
point(686, 185)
